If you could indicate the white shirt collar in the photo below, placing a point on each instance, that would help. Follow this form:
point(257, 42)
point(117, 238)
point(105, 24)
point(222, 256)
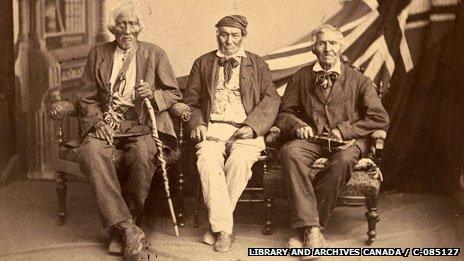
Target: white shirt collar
point(121, 51)
point(336, 68)
point(239, 53)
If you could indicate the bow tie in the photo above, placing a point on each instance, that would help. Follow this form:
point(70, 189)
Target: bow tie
point(323, 78)
point(228, 65)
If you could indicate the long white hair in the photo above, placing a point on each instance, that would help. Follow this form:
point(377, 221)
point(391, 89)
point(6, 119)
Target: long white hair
point(127, 6)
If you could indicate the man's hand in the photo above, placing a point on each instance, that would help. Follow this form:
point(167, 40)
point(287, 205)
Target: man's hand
point(199, 133)
point(143, 90)
point(336, 134)
point(245, 132)
point(304, 132)
point(104, 132)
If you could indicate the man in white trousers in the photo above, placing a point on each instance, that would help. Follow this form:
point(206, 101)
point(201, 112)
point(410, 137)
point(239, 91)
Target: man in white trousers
point(234, 103)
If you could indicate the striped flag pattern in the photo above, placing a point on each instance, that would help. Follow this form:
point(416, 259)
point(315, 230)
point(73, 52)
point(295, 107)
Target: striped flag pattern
point(379, 38)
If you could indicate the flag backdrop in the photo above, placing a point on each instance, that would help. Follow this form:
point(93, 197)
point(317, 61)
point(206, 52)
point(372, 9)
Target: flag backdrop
point(399, 45)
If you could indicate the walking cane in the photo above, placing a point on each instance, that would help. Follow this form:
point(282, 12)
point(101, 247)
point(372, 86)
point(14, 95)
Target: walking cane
point(159, 156)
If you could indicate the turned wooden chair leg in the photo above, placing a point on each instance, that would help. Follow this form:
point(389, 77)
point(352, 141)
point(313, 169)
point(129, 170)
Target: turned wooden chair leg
point(196, 215)
point(61, 191)
point(372, 219)
point(181, 178)
point(180, 196)
point(268, 205)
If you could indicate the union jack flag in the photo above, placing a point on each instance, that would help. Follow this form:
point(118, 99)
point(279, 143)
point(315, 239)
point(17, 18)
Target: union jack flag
point(383, 37)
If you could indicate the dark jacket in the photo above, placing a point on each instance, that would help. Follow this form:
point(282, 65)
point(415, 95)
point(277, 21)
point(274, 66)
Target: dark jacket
point(260, 99)
point(152, 66)
point(352, 106)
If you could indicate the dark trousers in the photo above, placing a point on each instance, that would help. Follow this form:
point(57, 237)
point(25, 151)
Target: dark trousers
point(313, 197)
point(119, 197)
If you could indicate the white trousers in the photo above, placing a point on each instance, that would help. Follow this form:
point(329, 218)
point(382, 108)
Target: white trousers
point(224, 170)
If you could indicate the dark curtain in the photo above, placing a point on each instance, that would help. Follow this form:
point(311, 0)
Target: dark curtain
point(7, 86)
point(450, 82)
point(423, 147)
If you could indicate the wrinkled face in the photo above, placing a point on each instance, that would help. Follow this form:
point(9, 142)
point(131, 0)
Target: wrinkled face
point(327, 48)
point(229, 39)
point(126, 30)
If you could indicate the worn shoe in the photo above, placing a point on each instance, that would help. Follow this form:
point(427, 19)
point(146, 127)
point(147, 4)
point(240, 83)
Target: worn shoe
point(296, 239)
point(131, 237)
point(313, 238)
point(115, 245)
point(143, 255)
point(209, 237)
point(223, 242)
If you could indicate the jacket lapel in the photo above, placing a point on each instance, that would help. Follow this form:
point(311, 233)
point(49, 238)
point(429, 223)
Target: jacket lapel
point(211, 74)
point(106, 64)
point(246, 76)
point(141, 61)
point(316, 88)
point(337, 86)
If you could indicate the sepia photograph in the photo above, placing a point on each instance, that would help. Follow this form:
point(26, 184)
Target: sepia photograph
point(231, 130)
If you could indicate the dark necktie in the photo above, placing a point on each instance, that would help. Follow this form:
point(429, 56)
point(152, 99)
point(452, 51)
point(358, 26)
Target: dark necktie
point(325, 79)
point(228, 65)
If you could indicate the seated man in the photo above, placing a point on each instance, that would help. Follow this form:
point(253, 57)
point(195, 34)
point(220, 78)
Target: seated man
point(331, 99)
point(118, 76)
point(234, 103)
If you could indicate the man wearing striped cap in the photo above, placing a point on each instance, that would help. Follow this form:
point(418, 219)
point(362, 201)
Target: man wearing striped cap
point(234, 103)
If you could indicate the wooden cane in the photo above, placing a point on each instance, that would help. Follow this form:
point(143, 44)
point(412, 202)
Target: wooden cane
point(159, 156)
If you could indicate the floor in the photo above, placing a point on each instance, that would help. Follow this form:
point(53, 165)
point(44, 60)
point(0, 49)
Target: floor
point(28, 230)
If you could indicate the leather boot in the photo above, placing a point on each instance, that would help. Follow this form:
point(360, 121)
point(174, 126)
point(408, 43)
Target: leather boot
point(223, 242)
point(132, 237)
point(115, 245)
point(313, 238)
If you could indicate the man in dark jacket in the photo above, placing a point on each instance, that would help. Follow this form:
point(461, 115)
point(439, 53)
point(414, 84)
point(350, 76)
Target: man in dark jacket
point(331, 99)
point(234, 103)
point(118, 76)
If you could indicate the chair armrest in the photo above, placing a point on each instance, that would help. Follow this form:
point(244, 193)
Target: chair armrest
point(56, 107)
point(61, 109)
point(181, 111)
point(378, 138)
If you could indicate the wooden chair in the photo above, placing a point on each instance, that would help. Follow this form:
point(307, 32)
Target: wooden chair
point(67, 110)
point(361, 190)
point(267, 181)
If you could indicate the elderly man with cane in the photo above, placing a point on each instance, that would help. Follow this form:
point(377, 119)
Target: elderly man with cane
point(119, 80)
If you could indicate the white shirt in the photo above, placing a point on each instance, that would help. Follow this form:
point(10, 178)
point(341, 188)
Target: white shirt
point(228, 104)
point(336, 68)
point(327, 88)
point(125, 95)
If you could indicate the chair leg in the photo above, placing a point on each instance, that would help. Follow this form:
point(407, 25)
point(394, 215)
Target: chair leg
point(268, 205)
point(61, 191)
point(196, 215)
point(180, 196)
point(372, 219)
